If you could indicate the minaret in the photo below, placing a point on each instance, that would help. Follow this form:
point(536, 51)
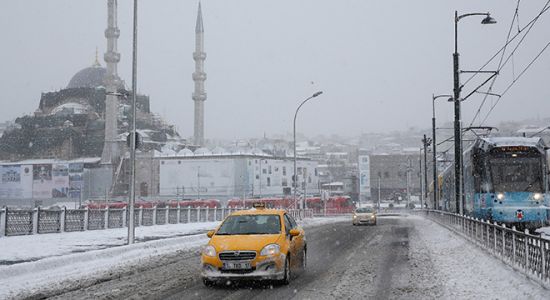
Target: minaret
point(199, 76)
point(112, 81)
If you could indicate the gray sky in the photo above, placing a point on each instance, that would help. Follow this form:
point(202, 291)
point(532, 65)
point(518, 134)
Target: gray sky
point(378, 62)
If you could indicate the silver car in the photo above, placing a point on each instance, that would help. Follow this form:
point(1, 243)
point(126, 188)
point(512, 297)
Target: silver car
point(364, 215)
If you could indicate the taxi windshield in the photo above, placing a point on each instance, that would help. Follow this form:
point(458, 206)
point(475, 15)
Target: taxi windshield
point(250, 224)
point(364, 210)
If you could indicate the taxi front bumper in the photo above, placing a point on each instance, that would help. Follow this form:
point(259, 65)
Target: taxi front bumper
point(267, 269)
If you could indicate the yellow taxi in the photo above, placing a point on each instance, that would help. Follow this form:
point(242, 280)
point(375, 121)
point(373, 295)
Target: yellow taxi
point(255, 244)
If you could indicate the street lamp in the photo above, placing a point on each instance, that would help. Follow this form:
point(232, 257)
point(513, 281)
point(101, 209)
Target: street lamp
point(294, 177)
point(459, 201)
point(132, 200)
point(434, 145)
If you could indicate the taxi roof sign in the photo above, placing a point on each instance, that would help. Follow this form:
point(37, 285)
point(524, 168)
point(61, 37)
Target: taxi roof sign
point(258, 205)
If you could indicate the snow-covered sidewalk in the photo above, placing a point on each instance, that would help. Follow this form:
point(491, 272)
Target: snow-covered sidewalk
point(52, 259)
point(460, 270)
point(17, 249)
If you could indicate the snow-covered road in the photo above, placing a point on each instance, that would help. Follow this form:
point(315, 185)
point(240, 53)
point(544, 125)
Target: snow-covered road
point(404, 257)
point(49, 264)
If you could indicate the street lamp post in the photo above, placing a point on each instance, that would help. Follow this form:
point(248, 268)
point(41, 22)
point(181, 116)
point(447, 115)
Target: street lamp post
point(459, 201)
point(434, 145)
point(294, 177)
point(132, 200)
point(426, 142)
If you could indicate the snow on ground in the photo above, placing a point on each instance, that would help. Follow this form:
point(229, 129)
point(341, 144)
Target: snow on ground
point(544, 232)
point(15, 249)
point(463, 270)
point(92, 255)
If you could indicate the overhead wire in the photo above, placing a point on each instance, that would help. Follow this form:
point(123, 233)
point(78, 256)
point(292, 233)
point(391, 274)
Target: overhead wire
point(499, 64)
point(509, 58)
point(543, 11)
point(515, 80)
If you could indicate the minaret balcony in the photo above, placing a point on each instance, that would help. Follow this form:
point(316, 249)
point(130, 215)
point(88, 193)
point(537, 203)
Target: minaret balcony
point(199, 55)
point(199, 76)
point(111, 57)
point(199, 96)
point(112, 32)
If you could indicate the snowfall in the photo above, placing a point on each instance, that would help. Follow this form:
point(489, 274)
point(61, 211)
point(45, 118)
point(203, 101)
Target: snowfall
point(30, 264)
point(34, 262)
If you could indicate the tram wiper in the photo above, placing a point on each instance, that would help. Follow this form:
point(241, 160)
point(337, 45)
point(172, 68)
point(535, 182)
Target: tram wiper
point(531, 184)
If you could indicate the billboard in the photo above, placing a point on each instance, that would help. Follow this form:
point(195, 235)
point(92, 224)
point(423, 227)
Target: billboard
point(364, 177)
point(76, 171)
point(60, 180)
point(42, 184)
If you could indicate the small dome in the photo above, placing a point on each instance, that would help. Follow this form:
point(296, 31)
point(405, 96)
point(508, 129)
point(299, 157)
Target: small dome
point(91, 77)
point(202, 151)
point(218, 151)
point(185, 152)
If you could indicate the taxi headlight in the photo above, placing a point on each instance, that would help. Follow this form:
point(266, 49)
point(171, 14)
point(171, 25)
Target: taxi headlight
point(537, 196)
point(373, 216)
point(355, 216)
point(270, 250)
point(209, 251)
point(500, 196)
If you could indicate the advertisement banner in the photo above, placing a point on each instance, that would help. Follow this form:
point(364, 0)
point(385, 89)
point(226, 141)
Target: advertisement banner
point(10, 185)
point(76, 171)
point(26, 181)
point(364, 177)
point(42, 181)
point(60, 180)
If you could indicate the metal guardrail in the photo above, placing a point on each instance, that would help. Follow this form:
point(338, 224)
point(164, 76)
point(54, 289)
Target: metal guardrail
point(527, 253)
point(34, 221)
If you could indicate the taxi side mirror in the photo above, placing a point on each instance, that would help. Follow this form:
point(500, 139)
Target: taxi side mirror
point(294, 232)
point(210, 233)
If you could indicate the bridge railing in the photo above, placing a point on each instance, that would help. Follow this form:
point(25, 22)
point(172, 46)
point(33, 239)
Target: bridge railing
point(35, 221)
point(527, 253)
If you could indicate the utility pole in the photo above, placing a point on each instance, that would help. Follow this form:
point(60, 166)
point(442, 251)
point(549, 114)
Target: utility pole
point(421, 178)
point(199, 183)
point(379, 186)
point(459, 199)
point(426, 142)
point(132, 200)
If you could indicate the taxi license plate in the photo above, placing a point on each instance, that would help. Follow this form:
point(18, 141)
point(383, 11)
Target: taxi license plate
point(238, 265)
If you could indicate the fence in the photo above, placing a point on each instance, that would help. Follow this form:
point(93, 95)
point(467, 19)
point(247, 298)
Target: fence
point(530, 254)
point(35, 221)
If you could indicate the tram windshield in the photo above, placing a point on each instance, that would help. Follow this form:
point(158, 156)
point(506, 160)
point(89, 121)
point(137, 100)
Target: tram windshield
point(516, 174)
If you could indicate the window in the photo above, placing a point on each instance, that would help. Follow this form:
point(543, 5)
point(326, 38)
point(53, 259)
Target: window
point(264, 171)
point(257, 176)
point(288, 225)
point(269, 169)
point(276, 169)
point(316, 173)
point(268, 181)
point(285, 182)
point(386, 174)
point(284, 171)
point(309, 179)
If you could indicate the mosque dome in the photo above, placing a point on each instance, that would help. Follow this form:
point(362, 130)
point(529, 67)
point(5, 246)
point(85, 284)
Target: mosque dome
point(90, 77)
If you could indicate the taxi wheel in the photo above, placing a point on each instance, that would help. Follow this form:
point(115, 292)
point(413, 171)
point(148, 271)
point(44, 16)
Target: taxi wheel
point(304, 259)
point(286, 279)
point(207, 282)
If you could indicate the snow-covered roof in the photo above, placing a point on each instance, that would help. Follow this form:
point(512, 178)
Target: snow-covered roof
point(84, 160)
point(513, 141)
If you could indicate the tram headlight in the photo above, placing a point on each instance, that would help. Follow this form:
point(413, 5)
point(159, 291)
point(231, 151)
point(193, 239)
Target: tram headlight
point(537, 196)
point(500, 196)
